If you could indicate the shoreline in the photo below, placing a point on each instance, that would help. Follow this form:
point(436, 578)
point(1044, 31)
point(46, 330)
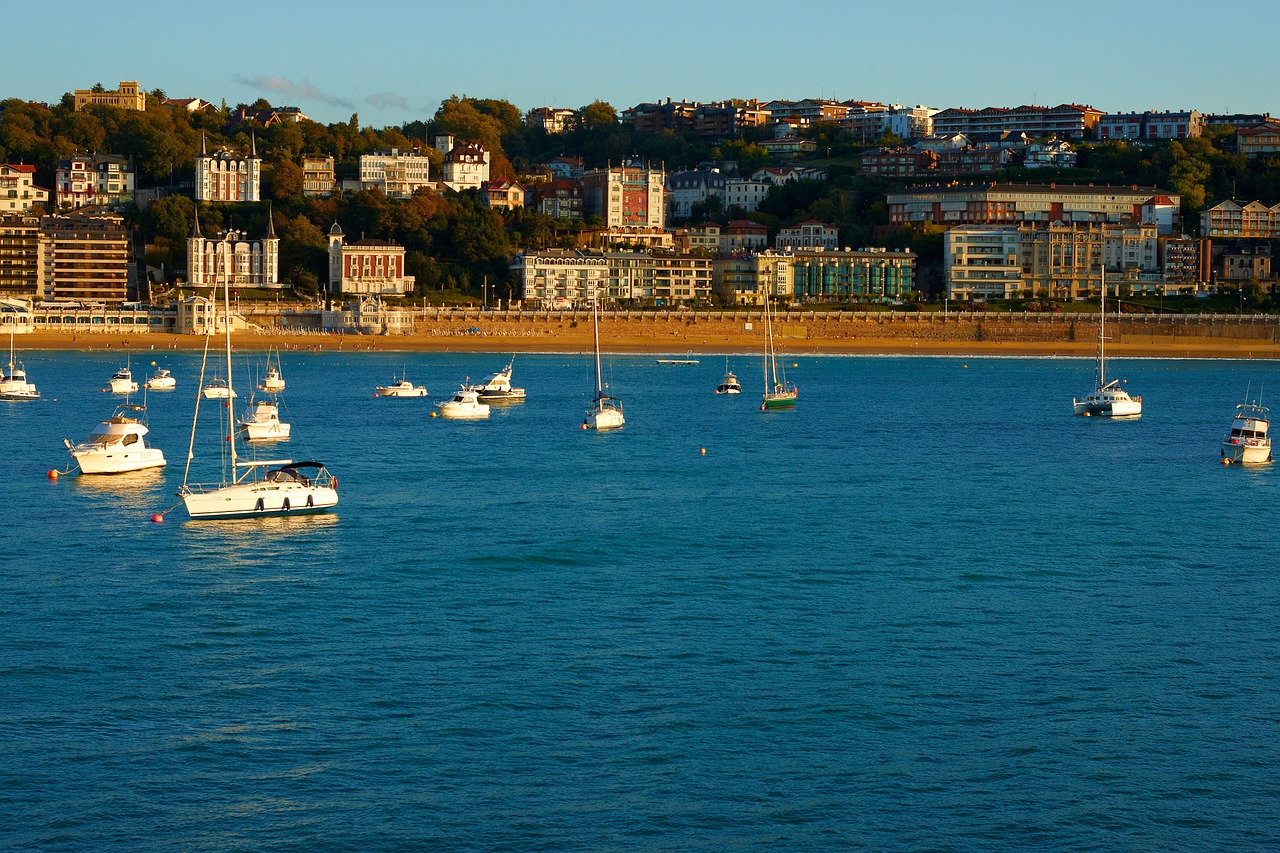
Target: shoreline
point(579, 340)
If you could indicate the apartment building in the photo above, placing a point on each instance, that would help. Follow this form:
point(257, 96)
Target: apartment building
point(743, 235)
point(559, 278)
point(86, 256)
point(627, 196)
point(501, 194)
point(1259, 139)
point(1066, 121)
point(1185, 262)
point(693, 187)
point(466, 164)
point(898, 162)
point(1183, 124)
point(318, 178)
point(18, 191)
point(810, 234)
point(225, 176)
point(104, 180)
point(128, 97)
point(233, 258)
point(745, 194)
point(1233, 219)
point(21, 255)
point(396, 173)
point(366, 267)
point(1013, 204)
point(815, 276)
point(560, 199)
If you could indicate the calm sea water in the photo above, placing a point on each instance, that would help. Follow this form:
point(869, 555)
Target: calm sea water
point(928, 609)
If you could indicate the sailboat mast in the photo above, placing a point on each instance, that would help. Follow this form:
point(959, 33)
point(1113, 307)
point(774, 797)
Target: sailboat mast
point(1102, 333)
point(231, 395)
point(595, 322)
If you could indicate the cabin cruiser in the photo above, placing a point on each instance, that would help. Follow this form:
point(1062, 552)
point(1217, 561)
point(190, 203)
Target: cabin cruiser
point(729, 384)
point(117, 445)
point(162, 380)
point(401, 387)
point(262, 423)
point(122, 382)
point(217, 389)
point(464, 405)
point(1249, 440)
point(497, 388)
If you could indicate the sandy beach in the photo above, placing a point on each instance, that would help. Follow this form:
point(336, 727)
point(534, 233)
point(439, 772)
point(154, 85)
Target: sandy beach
point(629, 336)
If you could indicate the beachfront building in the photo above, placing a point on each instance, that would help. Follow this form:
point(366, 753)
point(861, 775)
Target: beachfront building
point(128, 97)
point(318, 178)
point(18, 191)
point(85, 256)
point(104, 180)
point(1014, 204)
point(982, 261)
point(396, 173)
point(227, 176)
point(1065, 121)
point(366, 267)
point(815, 276)
point(1233, 219)
point(1185, 263)
point(233, 258)
point(559, 278)
point(1182, 124)
point(20, 255)
point(626, 196)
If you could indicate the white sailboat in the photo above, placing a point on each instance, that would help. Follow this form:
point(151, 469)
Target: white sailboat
point(1107, 399)
point(605, 411)
point(288, 487)
point(778, 393)
point(13, 382)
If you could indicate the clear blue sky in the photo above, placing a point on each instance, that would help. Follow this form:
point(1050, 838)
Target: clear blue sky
point(395, 60)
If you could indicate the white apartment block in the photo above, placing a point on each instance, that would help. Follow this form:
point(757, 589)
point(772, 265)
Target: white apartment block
point(94, 179)
point(225, 176)
point(745, 193)
point(18, 191)
point(982, 261)
point(396, 173)
point(559, 278)
point(810, 234)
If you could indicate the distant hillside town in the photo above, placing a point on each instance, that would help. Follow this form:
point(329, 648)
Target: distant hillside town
point(126, 195)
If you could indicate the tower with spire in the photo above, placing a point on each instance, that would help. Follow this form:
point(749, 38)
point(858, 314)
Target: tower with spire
point(241, 259)
point(227, 176)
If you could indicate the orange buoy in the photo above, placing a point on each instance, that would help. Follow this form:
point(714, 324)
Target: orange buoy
point(53, 474)
point(157, 518)
point(1226, 461)
point(702, 451)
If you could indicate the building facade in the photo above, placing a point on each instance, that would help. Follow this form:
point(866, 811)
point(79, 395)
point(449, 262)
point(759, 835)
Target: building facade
point(21, 255)
point(318, 178)
point(815, 276)
point(627, 196)
point(233, 258)
point(396, 173)
point(1233, 219)
point(104, 180)
point(1258, 140)
point(1012, 204)
point(128, 97)
point(225, 176)
point(466, 164)
point(1066, 121)
point(550, 119)
point(559, 278)
point(18, 191)
point(366, 267)
point(1184, 124)
point(810, 234)
point(501, 194)
point(85, 257)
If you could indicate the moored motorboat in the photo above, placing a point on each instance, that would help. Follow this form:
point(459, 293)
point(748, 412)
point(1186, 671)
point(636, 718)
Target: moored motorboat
point(262, 422)
point(497, 388)
point(401, 387)
point(464, 405)
point(117, 445)
point(1249, 440)
point(217, 389)
point(273, 380)
point(122, 382)
point(729, 383)
point(161, 380)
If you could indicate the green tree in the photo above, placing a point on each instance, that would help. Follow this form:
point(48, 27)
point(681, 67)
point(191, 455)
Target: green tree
point(286, 180)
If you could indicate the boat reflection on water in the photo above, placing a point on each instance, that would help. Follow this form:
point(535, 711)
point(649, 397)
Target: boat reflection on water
point(132, 487)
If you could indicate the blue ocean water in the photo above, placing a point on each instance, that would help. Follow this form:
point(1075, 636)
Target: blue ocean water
point(928, 609)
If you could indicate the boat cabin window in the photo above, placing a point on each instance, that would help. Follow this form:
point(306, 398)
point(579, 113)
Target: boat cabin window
point(130, 438)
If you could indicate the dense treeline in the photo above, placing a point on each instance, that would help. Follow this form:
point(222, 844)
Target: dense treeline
point(454, 242)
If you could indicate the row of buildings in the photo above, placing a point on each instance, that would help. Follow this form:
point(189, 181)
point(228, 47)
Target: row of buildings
point(77, 256)
point(566, 279)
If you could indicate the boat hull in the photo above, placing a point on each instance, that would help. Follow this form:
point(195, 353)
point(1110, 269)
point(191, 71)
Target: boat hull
point(1108, 408)
point(402, 392)
point(253, 500)
point(17, 395)
point(272, 431)
point(463, 413)
point(502, 398)
point(122, 386)
point(118, 461)
point(1249, 451)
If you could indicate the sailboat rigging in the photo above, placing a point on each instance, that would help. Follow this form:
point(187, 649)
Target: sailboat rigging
point(605, 411)
point(778, 393)
point(1107, 399)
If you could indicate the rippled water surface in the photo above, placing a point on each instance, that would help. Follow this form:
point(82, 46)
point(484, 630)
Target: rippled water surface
point(927, 609)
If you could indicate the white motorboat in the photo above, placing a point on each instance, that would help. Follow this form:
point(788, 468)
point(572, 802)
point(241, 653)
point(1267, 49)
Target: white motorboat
point(117, 445)
point(1249, 440)
point(1107, 399)
point(401, 387)
point(262, 423)
point(497, 388)
point(605, 411)
point(465, 404)
point(13, 382)
point(286, 487)
point(218, 389)
point(122, 382)
point(162, 380)
point(729, 383)
point(273, 380)
point(778, 392)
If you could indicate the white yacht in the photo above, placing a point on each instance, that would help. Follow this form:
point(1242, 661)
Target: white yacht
point(1249, 440)
point(401, 387)
point(497, 388)
point(1107, 399)
point(161, 380)
point(464, 405)
point(729, 383)
point(122, 381)
point(262, 423)
point(117, 445)
point(605, 411)
point(13, 382)
point(218, 389)
point(273, 380)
